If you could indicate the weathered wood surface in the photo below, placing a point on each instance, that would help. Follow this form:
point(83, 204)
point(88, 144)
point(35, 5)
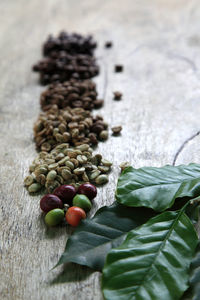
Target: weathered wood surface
point(159, 44)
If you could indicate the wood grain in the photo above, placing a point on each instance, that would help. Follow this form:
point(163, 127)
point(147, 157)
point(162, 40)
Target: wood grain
point(158, 42)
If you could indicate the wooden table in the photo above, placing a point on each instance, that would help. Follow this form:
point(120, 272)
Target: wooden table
point(158, 42)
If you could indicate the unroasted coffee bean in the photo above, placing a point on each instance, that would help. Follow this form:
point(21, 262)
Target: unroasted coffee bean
point(71, 93)
point(67, 170)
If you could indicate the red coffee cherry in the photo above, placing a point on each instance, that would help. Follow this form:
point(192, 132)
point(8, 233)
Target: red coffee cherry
point(88, 189)
point(66, 193)
point(49, 202)
point(74, 215)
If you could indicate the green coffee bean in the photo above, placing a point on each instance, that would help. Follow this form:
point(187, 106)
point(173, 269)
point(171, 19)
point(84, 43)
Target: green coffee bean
point(79, 171)
point(59, 156)
point(41, 179)
point(75, 162)
point(53, 166)
point(94, 174)
point(40, 170)
point(101, 179)
point(83, 147)
point(51, 175)
point(62, 161)
point(34, 187)
point(82, 159)
point(85, 177)
point(60, 179)
point(59, 137)
point(106, 162)
point(104, 169)
point(28, 180)
point(32, 168)
point(54, 184)
point(46, 147)
point(66, 174)
point(69, 164)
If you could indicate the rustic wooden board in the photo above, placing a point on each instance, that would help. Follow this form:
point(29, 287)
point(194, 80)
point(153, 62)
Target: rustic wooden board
point(158, 42)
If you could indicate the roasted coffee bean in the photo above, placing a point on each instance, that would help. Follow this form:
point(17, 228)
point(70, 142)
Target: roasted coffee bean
point(71, 43)
point(108, 44)
point(116, 130)
point(98, 103)
point(117, 95)
point(119, 68)
point(61, 66)
point(71, 93)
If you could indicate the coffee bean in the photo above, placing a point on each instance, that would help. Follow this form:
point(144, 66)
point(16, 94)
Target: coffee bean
point(71, 43)
point(119, 68)
point(108, 44)
point(117, 95)
point(116, 130)
point(76, 126)
point(71, 93)
point(61, 67)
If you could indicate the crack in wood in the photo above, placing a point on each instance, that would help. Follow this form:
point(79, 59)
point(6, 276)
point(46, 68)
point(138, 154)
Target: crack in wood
point(184, 145)
point(187, 60)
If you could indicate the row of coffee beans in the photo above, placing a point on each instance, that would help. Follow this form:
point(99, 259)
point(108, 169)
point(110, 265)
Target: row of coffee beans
point(66, 129)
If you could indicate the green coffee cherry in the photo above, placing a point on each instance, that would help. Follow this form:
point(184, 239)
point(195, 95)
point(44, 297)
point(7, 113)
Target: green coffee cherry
point(82, 201)
point(54, 217)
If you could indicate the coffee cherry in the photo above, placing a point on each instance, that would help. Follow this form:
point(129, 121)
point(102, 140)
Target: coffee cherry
point(82, 201)
point(54, 217)
point(74, 215)
point(88, 189)
point(66, 193)
point(49, 202)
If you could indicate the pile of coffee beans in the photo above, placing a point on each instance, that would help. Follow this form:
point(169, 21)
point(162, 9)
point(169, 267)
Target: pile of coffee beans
point(71, 93)
point(65, 165)
point(70, 43)
point(67, 57)
point(75, 126)
point(61, 66)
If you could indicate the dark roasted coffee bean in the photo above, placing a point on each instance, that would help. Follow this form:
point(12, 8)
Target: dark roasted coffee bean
point(118, 68)
point(117, 95)
point(108, 44)
point(66, 67)
point(98, 103)
point(71, 43)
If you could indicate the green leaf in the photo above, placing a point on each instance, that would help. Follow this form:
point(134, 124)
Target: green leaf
point(94, 238)
point(193, 293)
point(153, 262)
point(158, 188)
